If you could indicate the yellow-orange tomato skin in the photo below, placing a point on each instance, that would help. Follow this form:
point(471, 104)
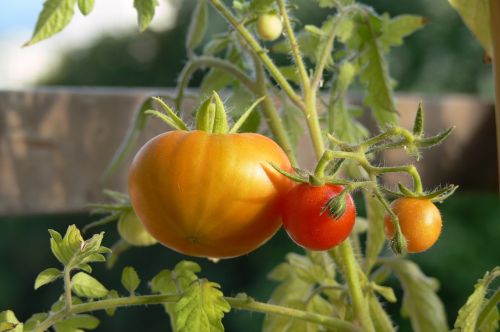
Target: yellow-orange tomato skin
point(420, 222)
point(209, 195)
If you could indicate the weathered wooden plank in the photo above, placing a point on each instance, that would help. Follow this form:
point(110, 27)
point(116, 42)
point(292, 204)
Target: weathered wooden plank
point(56, 142)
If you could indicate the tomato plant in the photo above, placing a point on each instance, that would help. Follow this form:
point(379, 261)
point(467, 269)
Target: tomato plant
point(217, 193)
point(420, 222)
point(210, 195)
point(308, 223)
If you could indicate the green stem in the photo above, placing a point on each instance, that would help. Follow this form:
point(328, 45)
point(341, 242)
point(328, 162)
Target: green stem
point(67, 289)
point(351, 271)
point(237, 303)
point(294, 46)
point(206, 61)
point(495, 39)
point(325, 54)
point(410, 169)
point(260, 52)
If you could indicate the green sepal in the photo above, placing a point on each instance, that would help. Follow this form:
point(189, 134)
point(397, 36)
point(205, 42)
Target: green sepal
point(418, 125)
point(429, 142)
point(336, 206)
point(405, 190)
point(205, 116)
point(220, 117)
point(171, 114)
point(440, 194)
point(297, 178)
point(245, 116)
point(398, 244)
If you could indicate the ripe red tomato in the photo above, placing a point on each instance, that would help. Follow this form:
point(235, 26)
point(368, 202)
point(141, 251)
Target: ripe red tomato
point(307, 225)
point(269, 27)
point(420, 222)
point(209, 195)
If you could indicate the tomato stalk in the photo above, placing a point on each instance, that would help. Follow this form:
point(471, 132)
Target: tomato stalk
point(495, 35)
point(235, 302)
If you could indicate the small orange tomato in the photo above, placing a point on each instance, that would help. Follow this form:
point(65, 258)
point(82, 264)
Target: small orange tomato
point(209, 195)
point(420, 222)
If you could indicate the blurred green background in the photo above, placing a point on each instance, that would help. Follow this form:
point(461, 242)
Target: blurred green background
point(443, 57)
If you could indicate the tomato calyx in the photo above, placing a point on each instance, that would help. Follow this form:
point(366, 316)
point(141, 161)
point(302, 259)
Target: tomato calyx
point(211, 116)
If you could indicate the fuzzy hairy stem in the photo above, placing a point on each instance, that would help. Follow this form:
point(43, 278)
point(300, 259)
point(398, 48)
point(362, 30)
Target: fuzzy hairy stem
point(235, 302)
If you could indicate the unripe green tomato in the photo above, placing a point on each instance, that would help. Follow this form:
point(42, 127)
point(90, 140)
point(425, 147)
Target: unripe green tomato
point(131, 230)
point(269, 27)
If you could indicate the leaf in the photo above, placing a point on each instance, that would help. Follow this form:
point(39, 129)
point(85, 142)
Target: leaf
point(34, 320)
point(77, 323)
point(86, 6)
point(47, 276)
point(201, 308)
point(341, 121)
point(476, 15)
point(130, 279)
point(238, 103)
point(491, 321)
point(291, 117)
point(145, 12)
point(374, 73)
point(468, 315)
point(55, 16)
point(420, 302)
point(9, 322)
point(86, 286)
point(74, 252)
point(185, 272)
point(399, 27)
point(198, 26)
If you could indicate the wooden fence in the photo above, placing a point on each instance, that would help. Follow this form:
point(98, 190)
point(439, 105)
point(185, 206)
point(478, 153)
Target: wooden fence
point(56, 142)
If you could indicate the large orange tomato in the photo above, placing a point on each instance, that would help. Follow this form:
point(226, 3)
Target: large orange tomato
point(209, 195)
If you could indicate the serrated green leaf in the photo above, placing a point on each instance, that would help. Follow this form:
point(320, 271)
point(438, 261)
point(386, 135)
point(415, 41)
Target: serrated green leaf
point(130, 279)
point(86, 6)
point(468, 315)
point(34, 320)
point(145, 12)
point(77, 323)
point(47, 276)
point(112, 294)
point(374, 74)
point(197, 26)
point(201, 308)
point(399, 27)
point(185, 272)
point(86, 286)
point(9, 322)
point(476, 15)
point(420, 301)
point(55, 16)
point(65, 248)
point(163, 283)
point(341, 120)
